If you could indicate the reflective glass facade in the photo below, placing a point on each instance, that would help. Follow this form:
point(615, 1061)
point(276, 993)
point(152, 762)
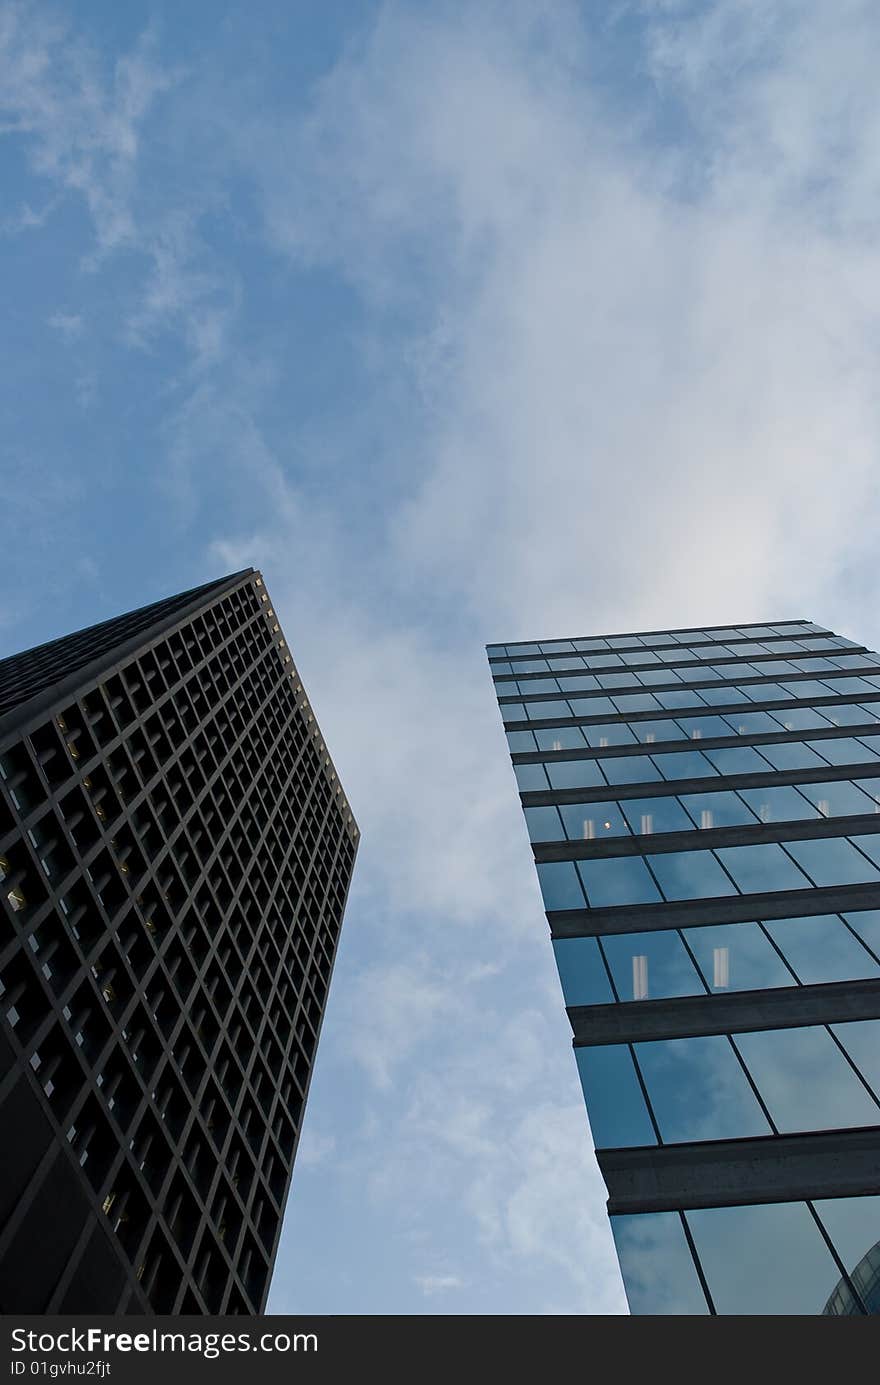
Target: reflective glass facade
point(704, 813)
point(175, 855)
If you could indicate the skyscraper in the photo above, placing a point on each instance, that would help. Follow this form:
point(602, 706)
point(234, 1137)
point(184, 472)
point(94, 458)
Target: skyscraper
point(703, 810)
point(175, 855)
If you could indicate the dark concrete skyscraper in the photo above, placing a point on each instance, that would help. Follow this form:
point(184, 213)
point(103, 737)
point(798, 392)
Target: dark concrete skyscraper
point(175, 855)
point(703, 809)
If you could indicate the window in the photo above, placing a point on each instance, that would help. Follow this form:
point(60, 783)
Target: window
point(650, 815)
point(761, 868)
point(582, 972)
point(543, 824)
point(698, 1090)
point(781, 804)
point(559, 738)
point(609, 733)
point(615, 1105)
point(782, 1264)
point(574, 774)
point(821, 948)
point(629, 769)
point(657, 1265)
point(737, 957)
point(805, 1081)
point(618, 880)
point(721, 809)
point(588, 821)
point(650, 966)
point(559, 885)
point(685, 764)
point(690, 875)
point(832, 861)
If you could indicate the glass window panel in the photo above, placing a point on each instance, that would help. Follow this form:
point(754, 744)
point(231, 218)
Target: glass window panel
point(520, 741)
point(530, 666)
point(593, 706)
point(801, 718)
point(609, 733)
point(649, 966)
point(629, 769)
point(776, 668)
point(699, 727)
point(560, 887)
point(722, 697)
point(832, 861)
point(617, 680)
point(780, 804)
point(542, 711)
point(853, 1223)
point(814, 665)
point(840, 750)
point(848, 685)
point(737, 957)
point(543, 824)
point(558, 663)
point(583, 683)
point(870, 711)
point(604, 661)
point(750, 724)
point(496, 649)
point(513, 711)
point(650, 815)
point(767, 692)
point(839, 798)
point(657, 639)
point(657, 1265)
point(787, 647)
point(723, 809)
point(556, 646)
point(522, 648)
point(685, 764)
point(574, 774)
point(615, 1104)
point(761, 868)
point(528, 686)
point(650, 732)
point(703, 672)
point(499, 666)
point(590, 644)
point(658, 676)
point(750, 647)
point(791, 755)
point(690, 875)
point(769, 1259)
point(740, 759)
point(622, 641)
point(845, 714)
point(618, 880)
point(586, 822)
point(674, 699)
point(530, 778)
point(636, 702)
point(559, 738)
point(582, 972)
point(698, 1090)
point(873, 745)
point(805, 1081)
point(861, 1039)
point(870, 844)
point(805, 687)
point(866, 923)
point(821, 948)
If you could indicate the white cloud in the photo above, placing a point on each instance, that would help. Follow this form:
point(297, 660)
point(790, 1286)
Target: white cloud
point(68, 325)
point(431, 1284)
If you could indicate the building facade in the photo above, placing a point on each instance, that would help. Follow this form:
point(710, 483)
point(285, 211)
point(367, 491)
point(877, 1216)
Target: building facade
point(175, 856)
point(704, 812)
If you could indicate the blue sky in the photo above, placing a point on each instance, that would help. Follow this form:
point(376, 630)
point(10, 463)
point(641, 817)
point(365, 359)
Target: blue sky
point(465, 323)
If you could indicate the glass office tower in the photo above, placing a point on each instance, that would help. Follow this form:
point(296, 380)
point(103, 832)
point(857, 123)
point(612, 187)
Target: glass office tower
point(175, 855)
point(704, 812)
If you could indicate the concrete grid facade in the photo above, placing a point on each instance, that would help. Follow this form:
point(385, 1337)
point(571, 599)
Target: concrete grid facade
point(704, 812)
point(175, 856)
